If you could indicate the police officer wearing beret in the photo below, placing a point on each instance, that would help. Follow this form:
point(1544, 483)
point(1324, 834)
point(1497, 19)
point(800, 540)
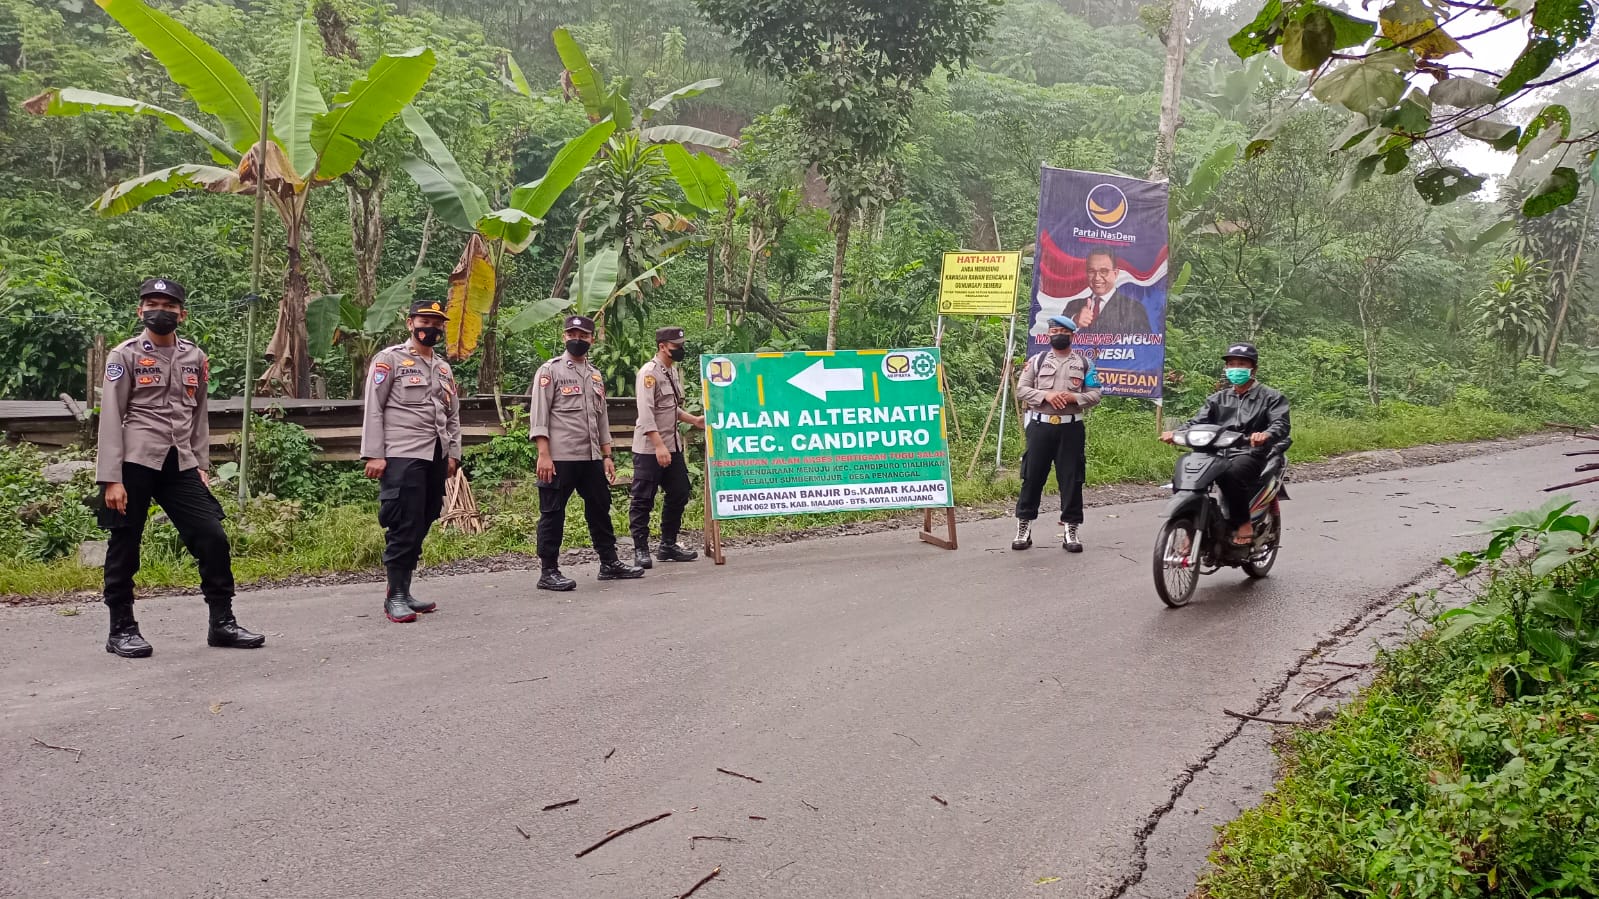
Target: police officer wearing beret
point(569, 422)
point(1057, 387)
point(658, 452)
point(411, 441)
point(155, 445)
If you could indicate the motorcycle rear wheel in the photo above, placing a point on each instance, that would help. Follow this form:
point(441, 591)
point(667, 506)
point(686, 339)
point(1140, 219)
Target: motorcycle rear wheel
point(1175, 581)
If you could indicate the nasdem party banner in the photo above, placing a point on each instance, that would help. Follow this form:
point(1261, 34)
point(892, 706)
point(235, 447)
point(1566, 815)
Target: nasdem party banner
point(1102, 259)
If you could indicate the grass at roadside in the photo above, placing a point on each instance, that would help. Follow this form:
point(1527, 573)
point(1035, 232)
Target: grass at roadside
point(1469, 769)
point(275, 539)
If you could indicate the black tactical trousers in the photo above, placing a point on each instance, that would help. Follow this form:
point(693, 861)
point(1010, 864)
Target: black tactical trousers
point(1061, 447)
point(194, 512)
point(1238, 482)
point(410, 499)
point(588, 480)
point(648, 478)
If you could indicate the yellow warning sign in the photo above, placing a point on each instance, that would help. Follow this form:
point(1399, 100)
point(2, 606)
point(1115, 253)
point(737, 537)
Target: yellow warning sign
point(978, 284)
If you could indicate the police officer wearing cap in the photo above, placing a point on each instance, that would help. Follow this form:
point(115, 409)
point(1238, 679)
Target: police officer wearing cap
point(1057, 387)
point(658, 461)
point(1248, 407)
point(569, 422)
point(155, 445)
point(411, 441)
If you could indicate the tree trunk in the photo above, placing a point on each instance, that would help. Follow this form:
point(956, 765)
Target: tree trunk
point(289, 349)
point(1172, 89)
point(1553, 352)
point(841, 223)
point(1368, 331)
point(488, 377)
point(366, 234)
point(710, 286)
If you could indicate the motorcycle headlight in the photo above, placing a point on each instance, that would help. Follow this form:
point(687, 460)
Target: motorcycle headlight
point(1201, 438)
point(1180, 438)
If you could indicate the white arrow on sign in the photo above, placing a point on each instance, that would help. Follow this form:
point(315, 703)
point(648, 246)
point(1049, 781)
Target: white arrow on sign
point(818, 380)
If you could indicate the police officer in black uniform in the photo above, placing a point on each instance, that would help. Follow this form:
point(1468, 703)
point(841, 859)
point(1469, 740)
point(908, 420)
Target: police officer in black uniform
point(155, 445)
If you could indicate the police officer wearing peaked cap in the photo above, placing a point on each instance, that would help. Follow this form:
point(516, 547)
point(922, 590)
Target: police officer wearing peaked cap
point(155, 445)
point(569, 422)
point(1057, 387)
point(658, 452)
point(411, 441)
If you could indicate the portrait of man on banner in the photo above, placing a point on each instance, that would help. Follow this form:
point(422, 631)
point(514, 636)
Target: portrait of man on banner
point(1101, 259)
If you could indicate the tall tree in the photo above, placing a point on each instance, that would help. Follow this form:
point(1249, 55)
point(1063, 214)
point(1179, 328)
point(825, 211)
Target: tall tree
point(853, 68)
point(1171, 96)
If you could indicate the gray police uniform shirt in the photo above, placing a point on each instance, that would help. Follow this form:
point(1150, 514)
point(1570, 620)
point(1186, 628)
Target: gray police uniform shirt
point(660, 396)
point(568, 408)
point(412, 405)
point(1049, 372)
point(154, 399)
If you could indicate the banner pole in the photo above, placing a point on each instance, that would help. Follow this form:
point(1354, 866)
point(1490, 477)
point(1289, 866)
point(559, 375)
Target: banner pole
point(1004, 391)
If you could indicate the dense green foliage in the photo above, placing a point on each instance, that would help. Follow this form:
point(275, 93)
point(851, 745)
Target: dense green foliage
point(1471, 768)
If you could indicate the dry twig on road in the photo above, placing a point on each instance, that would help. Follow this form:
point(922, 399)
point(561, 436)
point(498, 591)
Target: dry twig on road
point(702, 882)
point(941, 801)
point(1242, 717)
point(628, 829)
point(736, 774)
point(693, 840)
point(1322, 689)
point(525, 834)
point(40, 742)
point(555, 805)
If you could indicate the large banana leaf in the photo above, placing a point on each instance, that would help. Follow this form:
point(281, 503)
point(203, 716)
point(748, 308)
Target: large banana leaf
point(471, 298)
point(585, 80)
point(291, 121)
point(456, 200)
point(513, 226)
point(536, 197)
point(70, 101)
point(132, 194)
point(595, 280)
point(682, 93)
point(518, 80)
point(702, 178)
point(358, 114)
point(536, 313)
point(686, 134)
point(389, 305)
point(212, 82)
point(321, 321)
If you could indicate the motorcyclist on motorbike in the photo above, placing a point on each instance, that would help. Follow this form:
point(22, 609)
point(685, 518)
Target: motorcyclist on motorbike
point(1252, 408)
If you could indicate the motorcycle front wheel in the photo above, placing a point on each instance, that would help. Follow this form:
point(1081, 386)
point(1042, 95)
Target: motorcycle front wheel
point(1259, 565)
point(1175, 579)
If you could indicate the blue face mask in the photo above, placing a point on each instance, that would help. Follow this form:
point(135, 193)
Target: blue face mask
point(1238, 377)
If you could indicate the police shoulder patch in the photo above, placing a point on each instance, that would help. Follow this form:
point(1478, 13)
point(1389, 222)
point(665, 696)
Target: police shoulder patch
point(379, 375)
point(649, 382)
point(544, 380)
point(114, 371)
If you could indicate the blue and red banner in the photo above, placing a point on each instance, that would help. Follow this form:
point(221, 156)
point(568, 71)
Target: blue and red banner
point(1102, 259)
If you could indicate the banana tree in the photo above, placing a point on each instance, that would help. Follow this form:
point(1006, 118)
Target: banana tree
point(308, 144)
point(476, 285)
point(596, 284)
point(624, 191)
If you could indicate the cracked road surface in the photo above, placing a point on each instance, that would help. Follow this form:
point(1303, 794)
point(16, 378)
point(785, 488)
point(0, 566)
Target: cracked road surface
point(1049, 700)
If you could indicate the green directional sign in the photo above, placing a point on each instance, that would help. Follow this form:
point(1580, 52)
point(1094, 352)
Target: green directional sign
point(852, 430)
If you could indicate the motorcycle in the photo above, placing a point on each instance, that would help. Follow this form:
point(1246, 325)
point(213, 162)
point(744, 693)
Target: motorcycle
point(1195, 539)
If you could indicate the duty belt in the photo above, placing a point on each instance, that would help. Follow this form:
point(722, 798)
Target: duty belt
point(1051, 419)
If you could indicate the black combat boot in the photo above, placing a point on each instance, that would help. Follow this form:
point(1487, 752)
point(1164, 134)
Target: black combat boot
point(396, 605)
point(671, 552)
point(417, 605)
point(125, 639)
point(641, 557)
point(618, 570)
point(551, 578)
point(226, 632)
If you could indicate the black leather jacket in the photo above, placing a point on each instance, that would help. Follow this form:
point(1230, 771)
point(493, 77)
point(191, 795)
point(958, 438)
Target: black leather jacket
point(1259, 409)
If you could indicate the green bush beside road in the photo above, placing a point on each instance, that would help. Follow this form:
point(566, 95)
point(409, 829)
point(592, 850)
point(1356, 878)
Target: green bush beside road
point(1471, 767)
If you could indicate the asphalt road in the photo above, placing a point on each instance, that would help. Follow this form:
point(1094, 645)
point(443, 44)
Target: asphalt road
point(1049, 700)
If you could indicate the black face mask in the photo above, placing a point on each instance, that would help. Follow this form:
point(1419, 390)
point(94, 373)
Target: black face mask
point(578, 348)
point(161, 321)
point(428, 336)
point(1060, 341)
point(677, 353)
